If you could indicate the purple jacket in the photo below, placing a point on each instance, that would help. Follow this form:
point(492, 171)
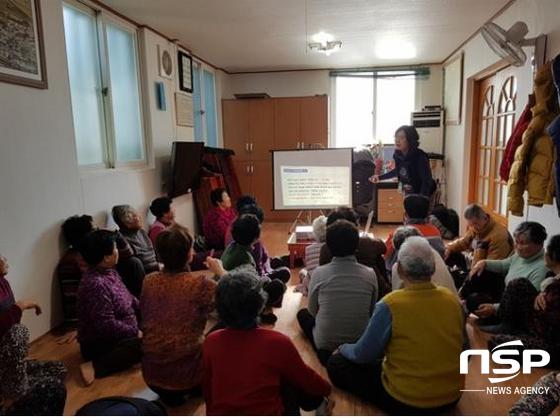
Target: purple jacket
point(106, 310)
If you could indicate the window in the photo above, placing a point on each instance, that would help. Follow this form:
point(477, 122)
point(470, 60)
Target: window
point(105, 89)
point(369, 109)
point(204, 104)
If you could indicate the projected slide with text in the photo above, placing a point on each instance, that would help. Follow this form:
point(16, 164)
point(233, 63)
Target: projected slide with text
point(315, 185)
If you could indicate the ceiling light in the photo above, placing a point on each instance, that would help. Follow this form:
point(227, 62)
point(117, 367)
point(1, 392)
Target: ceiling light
point(324, 43)
point(392, 49)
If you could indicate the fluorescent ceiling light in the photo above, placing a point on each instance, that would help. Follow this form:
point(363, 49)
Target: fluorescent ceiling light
point(392, 49)
point(324, 43)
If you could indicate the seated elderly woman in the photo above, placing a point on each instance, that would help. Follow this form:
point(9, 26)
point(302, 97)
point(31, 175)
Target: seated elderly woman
point(535, 321)
point(524, 273)
point(218, 219)
point(130, 226)
point(72, 266)
point(27, 387)
point(442, 276)
point(312, 254)
point(246, 231)
point(369, 253)
point(173, 332)
point(164, 213)
point(254, 371)
point(107, 313)
point(383, 367)
point(540, 404)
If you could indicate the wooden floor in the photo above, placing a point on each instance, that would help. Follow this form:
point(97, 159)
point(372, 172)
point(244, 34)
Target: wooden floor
point(63, 346)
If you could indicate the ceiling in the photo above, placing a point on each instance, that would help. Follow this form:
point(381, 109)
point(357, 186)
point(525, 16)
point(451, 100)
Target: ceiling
point(255, 35)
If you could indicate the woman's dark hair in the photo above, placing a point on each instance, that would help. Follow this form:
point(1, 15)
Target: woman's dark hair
point(75, 229)
point(342, 213)
point(553, 248)
point(252, 209)
point(245, 200)
point(240, 299)
point(216, 196)
point(173, 246)
point(160, 206)
point(417, 206)
point(342, 238)
point(412, 137)
point(98, 244)
point(534, 231)
point(245, 229)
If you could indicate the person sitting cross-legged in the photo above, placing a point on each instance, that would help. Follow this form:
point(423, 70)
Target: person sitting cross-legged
point(369, 253)
point(485, 239)
point(313, 254)
point(164, 213)
point(27, 387)
point(407, 360)
point(246, 231)
point(541, 314)
point(417, 210)
point(249, 370)
point(130, 226)
point(524, 274)
point(175, 305)
point(442, 276)
point(107, 313)
point(218, 219)
point(342, 294)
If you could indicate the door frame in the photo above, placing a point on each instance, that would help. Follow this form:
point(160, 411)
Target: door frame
point(474, 132)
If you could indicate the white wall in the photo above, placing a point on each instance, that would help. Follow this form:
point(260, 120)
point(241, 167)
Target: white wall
point(541, 16)
point(41, 183)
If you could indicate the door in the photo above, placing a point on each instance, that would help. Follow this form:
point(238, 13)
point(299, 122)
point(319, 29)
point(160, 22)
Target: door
point(286, 123)
point(261, 128)
point(236, 127)
point(261, 172)
point(243, 172)
point(314, 121)
point(496, 119)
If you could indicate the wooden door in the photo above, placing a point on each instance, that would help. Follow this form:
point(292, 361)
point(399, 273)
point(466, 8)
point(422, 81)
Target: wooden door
point(314, 121)
point(286, 123)
point(261, 172)
point(235, 114)
point(243, 172)
point(497, 96)
point(261, 128)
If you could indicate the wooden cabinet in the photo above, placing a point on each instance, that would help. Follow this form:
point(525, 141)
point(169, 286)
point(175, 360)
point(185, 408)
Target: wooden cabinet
point(301, 123)
point(390, 207)
point(249, 127)
point(254, 127)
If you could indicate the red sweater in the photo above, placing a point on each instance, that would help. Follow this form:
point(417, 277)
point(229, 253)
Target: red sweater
point(215, 226)
point(243, 370)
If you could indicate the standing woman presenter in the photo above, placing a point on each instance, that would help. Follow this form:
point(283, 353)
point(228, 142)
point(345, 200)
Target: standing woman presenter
point(412, 166)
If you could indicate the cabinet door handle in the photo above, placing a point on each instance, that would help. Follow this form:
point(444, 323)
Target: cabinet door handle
point(247, 147)
point(247, 169)
point(251, 147)
point(303, 145)
point(297, 147)
point(252, 169)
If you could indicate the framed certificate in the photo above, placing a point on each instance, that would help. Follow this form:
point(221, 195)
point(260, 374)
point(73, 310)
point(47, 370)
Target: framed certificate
point(185, 72)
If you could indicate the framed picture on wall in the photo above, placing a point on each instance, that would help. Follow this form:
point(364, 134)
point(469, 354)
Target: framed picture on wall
point(22, 53)
point(452, 90)
point(185, 72)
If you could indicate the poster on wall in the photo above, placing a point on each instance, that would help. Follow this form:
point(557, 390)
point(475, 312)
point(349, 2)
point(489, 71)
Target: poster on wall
point(22, 54)
point(184, 109)
point(452, 90)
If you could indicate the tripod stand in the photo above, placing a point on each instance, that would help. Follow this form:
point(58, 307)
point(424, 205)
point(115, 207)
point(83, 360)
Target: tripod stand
point(302, 219)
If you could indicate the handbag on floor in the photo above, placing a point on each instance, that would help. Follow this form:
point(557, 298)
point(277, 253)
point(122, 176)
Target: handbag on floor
point(122, 406)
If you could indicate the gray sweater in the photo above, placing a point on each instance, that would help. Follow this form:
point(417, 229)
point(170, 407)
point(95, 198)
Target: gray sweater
point(342, 295)
point(142, 246)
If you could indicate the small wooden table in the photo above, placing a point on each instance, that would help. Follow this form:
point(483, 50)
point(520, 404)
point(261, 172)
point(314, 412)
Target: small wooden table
point(296, 248)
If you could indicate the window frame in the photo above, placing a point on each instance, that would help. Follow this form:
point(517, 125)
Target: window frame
point(373, 111)
point(201, 68)
point(102, 19)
